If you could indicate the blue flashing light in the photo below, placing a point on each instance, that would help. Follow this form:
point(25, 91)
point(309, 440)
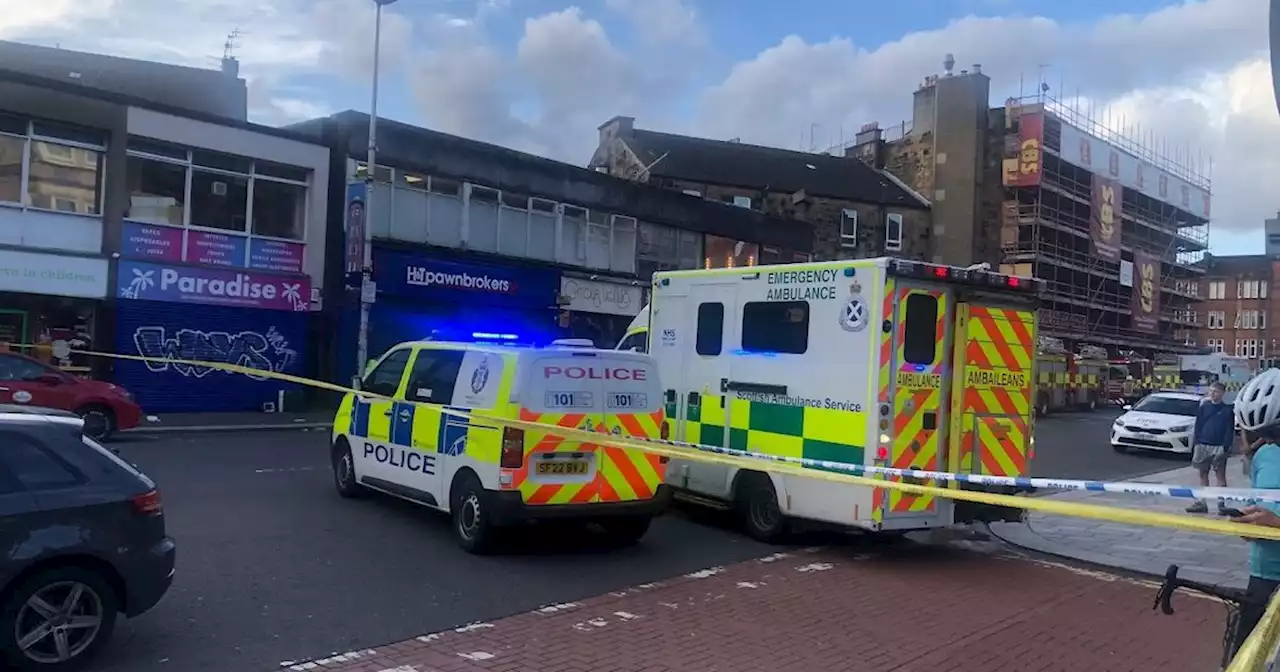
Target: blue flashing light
point(850, 272)
point(919, 368)
point(753, 353)
point(491, 336)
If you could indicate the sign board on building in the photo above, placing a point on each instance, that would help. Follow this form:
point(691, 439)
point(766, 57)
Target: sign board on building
point(409, 275)
point(593, 296)
point(52, 274)
point(193, 284)
point(158, 242)
point(1131, 172)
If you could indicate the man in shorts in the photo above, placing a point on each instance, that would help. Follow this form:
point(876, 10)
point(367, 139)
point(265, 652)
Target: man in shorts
point(1214, 432)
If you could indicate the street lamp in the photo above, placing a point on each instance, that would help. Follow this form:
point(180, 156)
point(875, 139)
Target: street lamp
point(366, 274)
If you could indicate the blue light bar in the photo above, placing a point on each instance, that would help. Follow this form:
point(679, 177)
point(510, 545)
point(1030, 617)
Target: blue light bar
point(491, 336)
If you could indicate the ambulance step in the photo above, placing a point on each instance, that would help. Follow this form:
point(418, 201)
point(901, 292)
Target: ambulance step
point(686, 496)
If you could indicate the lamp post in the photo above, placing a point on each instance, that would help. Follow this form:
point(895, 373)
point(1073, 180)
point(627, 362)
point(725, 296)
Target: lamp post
point(366, 274)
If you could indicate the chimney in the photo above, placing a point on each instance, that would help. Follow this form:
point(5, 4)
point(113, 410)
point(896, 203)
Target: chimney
point(977, 68)
point(230, 67)
point(868, 146)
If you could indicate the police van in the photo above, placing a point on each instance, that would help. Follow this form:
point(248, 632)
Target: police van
point(879, 362)
point(393, 437)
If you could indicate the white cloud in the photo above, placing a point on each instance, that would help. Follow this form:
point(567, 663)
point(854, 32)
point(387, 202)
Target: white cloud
point(663, 21)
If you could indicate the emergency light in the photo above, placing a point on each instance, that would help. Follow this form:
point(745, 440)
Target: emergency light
point(968, 276)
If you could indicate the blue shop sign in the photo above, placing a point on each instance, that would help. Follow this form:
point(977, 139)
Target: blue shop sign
point(415, 276)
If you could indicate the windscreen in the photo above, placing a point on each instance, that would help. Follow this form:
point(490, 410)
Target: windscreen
point(1168, 406)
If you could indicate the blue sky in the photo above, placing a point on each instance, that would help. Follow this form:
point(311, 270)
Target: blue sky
point(540, 75)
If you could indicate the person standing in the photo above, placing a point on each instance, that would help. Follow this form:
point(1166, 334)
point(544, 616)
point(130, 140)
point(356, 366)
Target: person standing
point(1211, 442)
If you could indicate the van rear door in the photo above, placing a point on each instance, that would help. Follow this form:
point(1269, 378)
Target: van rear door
point(609, 392)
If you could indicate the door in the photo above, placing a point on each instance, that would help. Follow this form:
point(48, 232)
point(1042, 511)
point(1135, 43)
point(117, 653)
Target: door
point(993, 396)
point(427, 437)
point(371, 449)
point(28, 382)
point(922, 338)
point(713, 311)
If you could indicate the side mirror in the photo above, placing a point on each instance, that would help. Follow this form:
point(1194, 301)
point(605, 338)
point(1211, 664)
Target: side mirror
point(49, 379)
point(1127, 407)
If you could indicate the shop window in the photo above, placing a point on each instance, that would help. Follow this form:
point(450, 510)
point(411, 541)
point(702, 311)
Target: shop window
point(729, 253)
point(219, 201)
point(11, 152)
point(64, 178)
point(638, 342)
point(572, 247)
point(279, 209)
point(220, 161)
point(921, 329)
point(710, 339)
point(622, 247)
point(157, 191)
point(598, 239)
point(385, 379)
point(434, 374)
point(297, 174)
point(776, 327)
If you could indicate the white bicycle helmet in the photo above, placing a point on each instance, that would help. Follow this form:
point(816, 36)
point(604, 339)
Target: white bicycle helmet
point(1258, 404)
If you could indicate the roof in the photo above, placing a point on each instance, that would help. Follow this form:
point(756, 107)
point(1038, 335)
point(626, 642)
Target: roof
point(1186, 396)
point(218, 92)
point(738, 164)
point(19, 413)
point(1238, 264)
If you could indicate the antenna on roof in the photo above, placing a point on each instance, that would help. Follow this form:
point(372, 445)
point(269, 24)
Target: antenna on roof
point(230, 65)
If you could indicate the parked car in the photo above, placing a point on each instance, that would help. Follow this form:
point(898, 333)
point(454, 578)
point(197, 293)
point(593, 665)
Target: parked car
point(105, 407)
point(83, 539)
point(1159, 421)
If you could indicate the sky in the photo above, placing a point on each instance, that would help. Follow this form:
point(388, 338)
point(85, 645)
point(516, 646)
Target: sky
point(541, 75)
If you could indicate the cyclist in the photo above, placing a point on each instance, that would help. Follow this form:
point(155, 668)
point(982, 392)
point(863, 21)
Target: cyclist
point(1257, 412)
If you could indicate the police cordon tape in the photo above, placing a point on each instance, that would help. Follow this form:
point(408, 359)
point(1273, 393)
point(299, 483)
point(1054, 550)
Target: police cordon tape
point(826, 470)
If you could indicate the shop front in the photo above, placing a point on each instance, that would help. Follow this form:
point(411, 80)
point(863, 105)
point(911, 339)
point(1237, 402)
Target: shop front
point(242, 317)
point(599, 310)
point(427, 296)
point(50, 305)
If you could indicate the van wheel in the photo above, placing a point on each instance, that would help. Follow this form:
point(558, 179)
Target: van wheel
point(57, 620)
point(469, 507)
point(758, 505)
point(344, 471)
point(627, 530)
point(1042, 406)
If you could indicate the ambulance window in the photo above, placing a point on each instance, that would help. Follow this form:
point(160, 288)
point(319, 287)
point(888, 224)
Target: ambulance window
point(776, 326)
point(433, 376)
point(710, 329)
point(638, 342)
point(385, 379)
point(921, 329)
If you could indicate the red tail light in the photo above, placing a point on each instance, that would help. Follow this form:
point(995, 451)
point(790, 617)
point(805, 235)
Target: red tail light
point(512, 448)
point(148, 504)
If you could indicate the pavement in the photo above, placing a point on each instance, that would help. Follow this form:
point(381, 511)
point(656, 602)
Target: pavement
point(233, 422)
point(927, 608)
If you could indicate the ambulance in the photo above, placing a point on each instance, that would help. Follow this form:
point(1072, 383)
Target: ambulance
point(1197, 372)
point(880, 362)
point(394, 438)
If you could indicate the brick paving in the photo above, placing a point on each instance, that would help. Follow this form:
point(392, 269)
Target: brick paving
point(935, 608)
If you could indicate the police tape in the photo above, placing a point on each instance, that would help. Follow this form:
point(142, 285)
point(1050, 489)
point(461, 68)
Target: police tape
point(808, 468)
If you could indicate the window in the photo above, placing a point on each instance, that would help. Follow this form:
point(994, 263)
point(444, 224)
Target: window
point(742, 201)
point(920, 329)
point(21, 368)
point(893, 232)
point(279, 209)
point(848, 228)
point(692, 192)
point(1215, 344)
point(710, 339)
point(13, 152)
point(385, 379)
point(434, 374)
point(637, 342)
point(1217, 289)
point(34, 465)
point(1216, 319)
point(776, 326)
point(157, 191)
point(58, 173)
point(728, 253)
point(219, 201)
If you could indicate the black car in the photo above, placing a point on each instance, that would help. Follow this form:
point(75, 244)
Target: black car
point(83, 540)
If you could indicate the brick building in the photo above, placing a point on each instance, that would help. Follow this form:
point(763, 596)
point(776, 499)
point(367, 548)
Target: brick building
point(1238, 313)
point(856, 210)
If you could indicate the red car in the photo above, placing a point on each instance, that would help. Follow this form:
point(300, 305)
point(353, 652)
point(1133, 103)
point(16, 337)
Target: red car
point(104, 407)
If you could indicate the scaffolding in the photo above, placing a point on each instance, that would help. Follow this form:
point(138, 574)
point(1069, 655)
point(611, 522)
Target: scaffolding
point(1046, 233)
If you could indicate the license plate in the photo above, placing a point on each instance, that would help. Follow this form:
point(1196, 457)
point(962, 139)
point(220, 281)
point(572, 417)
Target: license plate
point(562, 467)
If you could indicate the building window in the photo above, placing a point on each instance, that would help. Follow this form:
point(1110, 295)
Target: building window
point(1216, 319)
point(728, 253)
point(663, 248)
point(848, 228)
point(1251, 289)
point(893, 232)
point(776, 327)
point(1217, 289)
point(1215, 344)
point(49, 166)
point(178, 186)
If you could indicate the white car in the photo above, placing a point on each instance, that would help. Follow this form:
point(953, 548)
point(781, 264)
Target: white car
point(1159, 421)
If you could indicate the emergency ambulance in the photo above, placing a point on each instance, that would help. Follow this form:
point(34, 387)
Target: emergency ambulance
point(882, 362)
point(1197, 372)
point(393, 437)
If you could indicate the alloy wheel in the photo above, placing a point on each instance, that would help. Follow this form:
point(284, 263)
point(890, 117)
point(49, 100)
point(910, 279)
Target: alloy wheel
point(58, 622)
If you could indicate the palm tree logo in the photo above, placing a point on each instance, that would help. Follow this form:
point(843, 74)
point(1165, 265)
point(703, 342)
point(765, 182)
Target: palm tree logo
point(142, 280)
point(292, 293)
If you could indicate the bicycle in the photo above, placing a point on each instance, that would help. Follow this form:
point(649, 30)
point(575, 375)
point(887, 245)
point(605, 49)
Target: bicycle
point(1233, 598)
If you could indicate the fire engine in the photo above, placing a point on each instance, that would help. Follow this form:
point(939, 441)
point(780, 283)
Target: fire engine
point(1131, 377)
point(1068, 380)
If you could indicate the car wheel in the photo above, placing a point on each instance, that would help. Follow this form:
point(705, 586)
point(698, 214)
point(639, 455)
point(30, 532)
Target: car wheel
point(344, 471)
point(758, 506)
point(627, 530)
point(57, 620)
point(469, 508)
point(99, 422)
